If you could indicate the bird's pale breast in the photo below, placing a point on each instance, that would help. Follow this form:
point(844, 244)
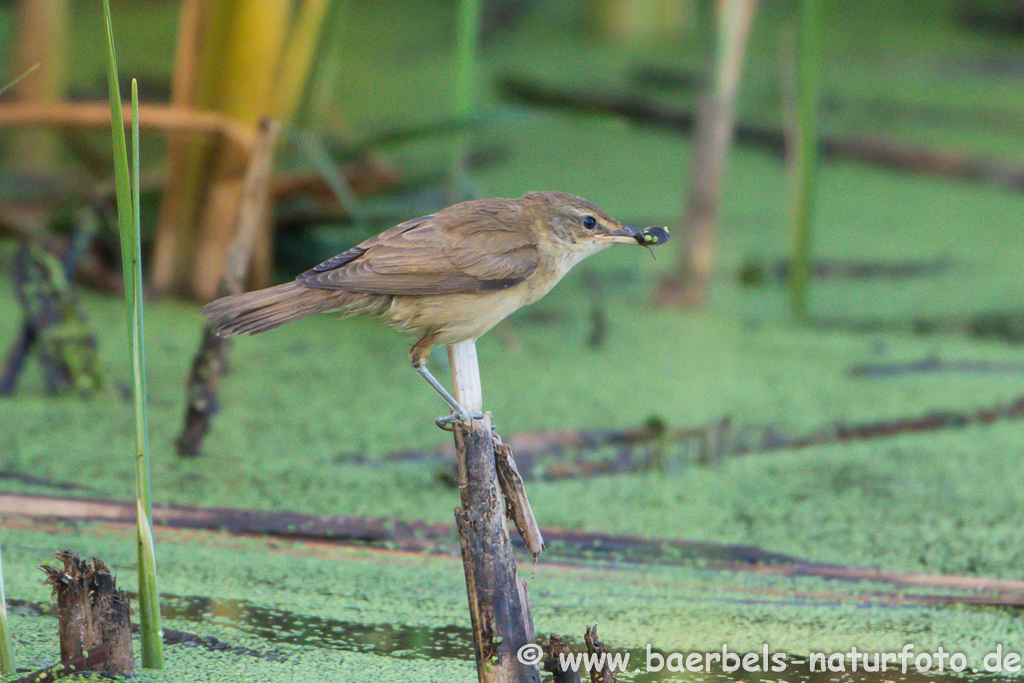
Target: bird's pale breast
point(458, 317)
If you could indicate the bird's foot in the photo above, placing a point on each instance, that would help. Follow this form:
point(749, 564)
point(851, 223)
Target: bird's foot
point(447, 422)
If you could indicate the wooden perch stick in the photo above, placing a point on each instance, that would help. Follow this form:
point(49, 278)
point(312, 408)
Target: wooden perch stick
point(466, 377)
point(498, 604)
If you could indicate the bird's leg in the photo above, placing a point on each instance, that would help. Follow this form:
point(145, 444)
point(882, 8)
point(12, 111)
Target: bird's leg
point(418, 356)
point(459, 413)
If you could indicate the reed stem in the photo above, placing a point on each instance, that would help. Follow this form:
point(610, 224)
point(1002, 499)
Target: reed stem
point(804, 168)
point(467, 43)
point(131, 258)
point(6, 652)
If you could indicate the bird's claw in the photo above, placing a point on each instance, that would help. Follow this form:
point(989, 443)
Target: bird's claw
point(447, 422)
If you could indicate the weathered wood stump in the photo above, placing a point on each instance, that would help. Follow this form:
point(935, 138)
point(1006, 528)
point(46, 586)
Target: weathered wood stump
point(556, 648)
point(603, 674)
point(93, 613)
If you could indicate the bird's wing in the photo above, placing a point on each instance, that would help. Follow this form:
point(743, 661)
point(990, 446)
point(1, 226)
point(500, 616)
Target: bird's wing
point(446, 253)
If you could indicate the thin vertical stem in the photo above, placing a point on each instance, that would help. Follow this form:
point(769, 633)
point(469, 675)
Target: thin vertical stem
point(122, 182)
point(805, 160)
point(6, 652)
point(468, 40)
point(298, 59)
point(131, 260)
point(330, 63)
point(149, 596)
point(712, 140)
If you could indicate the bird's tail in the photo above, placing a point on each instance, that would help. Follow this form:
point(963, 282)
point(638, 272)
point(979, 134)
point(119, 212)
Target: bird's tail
point(265, 309)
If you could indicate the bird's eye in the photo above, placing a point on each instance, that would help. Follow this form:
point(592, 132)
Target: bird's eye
point(589, 222)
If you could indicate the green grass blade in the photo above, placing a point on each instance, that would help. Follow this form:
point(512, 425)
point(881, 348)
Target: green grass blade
point(18, 79)
point(805, 166)
point(149, 596)
point(128, 221)
point(6, 656)
point(121, 180)
point(6, 651)
point(467, 43)
point(316, 153)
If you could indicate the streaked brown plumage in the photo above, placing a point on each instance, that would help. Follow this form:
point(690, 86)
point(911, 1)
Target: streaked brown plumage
point(445, 278)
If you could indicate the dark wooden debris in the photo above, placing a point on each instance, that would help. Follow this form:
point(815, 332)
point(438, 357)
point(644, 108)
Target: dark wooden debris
point(1001, 326)
point(643, 449)
point(756, 273)
point(658, 77)
point(92, 613)
point(383, 532)
point(89, 661)
point(596, 647)
point(936, 365)
point(208, 366)
point(883, 153)
point(563, 546)
point(210, 360)
point(517, 505)
point(555, 650)
point(758, 439)
point(54, 326)
point(380, 532)
point(173, 637)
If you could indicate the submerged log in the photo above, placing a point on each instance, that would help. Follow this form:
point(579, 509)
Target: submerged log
point(93, 613)
point(875, 152)
point(87, 661)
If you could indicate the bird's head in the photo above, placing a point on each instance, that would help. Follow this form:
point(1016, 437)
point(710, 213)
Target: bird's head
point(577, 226)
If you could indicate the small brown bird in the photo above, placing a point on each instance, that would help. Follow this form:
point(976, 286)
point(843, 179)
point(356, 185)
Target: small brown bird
point(445, 278)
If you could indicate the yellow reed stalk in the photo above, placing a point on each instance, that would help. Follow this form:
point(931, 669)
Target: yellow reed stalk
point(297, 62)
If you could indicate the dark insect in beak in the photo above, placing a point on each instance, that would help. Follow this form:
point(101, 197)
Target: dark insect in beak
point(650, 237)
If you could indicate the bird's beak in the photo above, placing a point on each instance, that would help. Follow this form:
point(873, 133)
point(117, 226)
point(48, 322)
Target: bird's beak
point(625, 235)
